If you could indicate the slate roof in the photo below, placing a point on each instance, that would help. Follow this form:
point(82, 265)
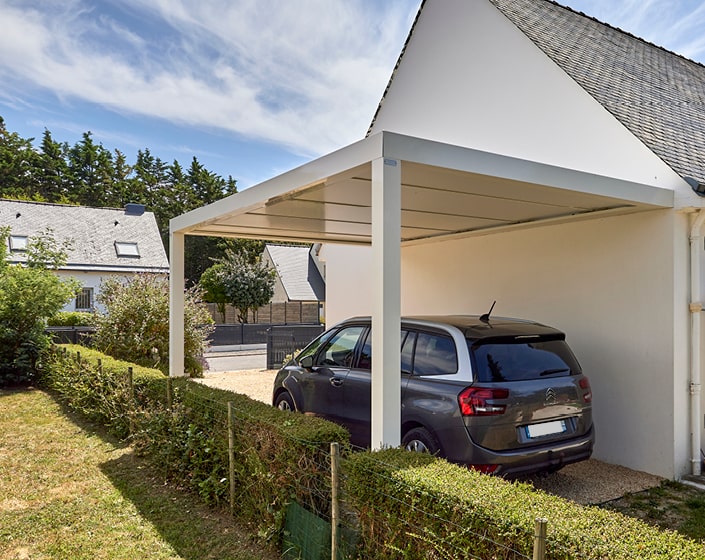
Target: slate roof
point(658, 95)
point(298, 273)
point(93, 231)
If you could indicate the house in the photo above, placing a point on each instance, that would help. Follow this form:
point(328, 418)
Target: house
point(299, 280)
point(525, 153)
point(104, 242)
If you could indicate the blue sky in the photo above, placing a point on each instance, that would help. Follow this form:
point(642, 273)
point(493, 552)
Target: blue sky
point(252, 88)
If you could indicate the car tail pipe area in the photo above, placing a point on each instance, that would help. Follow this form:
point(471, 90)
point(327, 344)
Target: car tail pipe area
point(696, 308)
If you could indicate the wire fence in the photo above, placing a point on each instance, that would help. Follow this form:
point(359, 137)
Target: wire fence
point(313, 502)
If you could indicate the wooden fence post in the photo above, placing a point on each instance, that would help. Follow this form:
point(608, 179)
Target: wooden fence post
point(540, 539)
point(131, 397)
point(169, 394)
point(231, 455)
point(335, 501)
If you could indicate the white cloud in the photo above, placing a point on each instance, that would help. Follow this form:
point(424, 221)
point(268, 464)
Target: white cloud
point(306, 74)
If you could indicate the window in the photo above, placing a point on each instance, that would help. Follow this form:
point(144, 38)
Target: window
point(521, 361)
point(435, 355)
point(84, 300)
point(340, 349)
point(18, 243)
point(127, 249)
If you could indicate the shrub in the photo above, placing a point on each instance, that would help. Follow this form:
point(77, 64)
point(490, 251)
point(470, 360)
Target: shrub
point(422, 507)
point(29, 294)
point(280, 456)
point(72, 319)
point(135, 326)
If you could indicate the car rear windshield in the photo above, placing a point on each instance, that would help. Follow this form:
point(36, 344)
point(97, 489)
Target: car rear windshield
point(520, 359)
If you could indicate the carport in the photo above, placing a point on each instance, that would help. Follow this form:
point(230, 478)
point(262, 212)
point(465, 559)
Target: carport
point(389, 191)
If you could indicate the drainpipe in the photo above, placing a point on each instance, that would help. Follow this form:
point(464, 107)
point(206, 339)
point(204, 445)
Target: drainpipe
point(696, 308)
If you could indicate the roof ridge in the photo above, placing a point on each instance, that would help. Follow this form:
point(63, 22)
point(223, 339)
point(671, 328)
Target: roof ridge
point(61, 205)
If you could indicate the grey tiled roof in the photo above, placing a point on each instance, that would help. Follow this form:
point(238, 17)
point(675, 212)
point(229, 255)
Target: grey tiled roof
point(658, 95)
point(297, 272)
point(93, 232)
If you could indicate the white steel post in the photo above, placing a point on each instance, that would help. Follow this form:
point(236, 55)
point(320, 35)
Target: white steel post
point(386, 310)
point(176, 305)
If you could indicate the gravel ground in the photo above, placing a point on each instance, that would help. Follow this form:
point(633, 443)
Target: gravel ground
point(588, 482)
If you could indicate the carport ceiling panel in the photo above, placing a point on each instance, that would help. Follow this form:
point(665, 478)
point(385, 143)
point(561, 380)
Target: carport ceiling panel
point(302, 224)
point(280, 234)
point(443, 202)
point(446, 223)
point(318, 211)
point(414, 174)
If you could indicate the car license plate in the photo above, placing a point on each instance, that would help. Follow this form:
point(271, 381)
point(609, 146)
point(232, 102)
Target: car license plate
point(545, 429)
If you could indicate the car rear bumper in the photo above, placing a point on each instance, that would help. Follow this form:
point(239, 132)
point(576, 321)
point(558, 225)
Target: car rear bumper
point(528, 460)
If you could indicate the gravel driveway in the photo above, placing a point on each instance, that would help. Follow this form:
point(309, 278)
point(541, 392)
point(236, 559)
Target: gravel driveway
point(588, 482)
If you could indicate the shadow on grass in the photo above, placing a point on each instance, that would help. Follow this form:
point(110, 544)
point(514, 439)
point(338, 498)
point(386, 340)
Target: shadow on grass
point(194, 530)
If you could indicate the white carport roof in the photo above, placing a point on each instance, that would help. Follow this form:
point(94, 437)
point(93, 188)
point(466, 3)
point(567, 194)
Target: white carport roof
point(445, 190)
point(389, 188)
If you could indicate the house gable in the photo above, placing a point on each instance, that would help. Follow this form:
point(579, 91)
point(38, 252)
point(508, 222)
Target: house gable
point(297, 275)
point(469, 76)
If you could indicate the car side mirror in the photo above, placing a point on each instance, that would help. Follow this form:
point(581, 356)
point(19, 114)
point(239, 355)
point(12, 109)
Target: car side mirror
point(306, 362)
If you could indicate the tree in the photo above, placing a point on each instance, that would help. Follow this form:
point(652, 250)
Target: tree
point(29, 295)
point(248, 286)
point(134, 327)
point(211, 283)
point(18, 160)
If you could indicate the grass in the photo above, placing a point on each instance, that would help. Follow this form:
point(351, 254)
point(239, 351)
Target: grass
point(671, 505)
point(69, 491)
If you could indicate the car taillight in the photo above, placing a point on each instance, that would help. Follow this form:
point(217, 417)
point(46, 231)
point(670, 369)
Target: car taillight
point(476, 401)
point(585, 386)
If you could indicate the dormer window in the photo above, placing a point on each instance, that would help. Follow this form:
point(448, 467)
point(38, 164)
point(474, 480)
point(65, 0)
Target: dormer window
point(127, 249)
point(18, 243)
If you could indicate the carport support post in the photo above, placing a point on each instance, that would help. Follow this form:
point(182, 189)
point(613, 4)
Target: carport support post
point(176, 304)
point(386, 310)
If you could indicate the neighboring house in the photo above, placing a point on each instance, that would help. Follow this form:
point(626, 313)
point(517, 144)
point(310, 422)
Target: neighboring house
point(104, 242)
point(529, 154)
point(299, 278)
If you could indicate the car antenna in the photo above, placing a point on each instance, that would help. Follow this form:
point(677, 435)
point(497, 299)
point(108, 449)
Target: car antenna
point(486, 317)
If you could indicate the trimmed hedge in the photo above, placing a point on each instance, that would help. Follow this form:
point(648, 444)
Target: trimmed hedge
point(281, 457)
point(403, 504)
point(416, 506)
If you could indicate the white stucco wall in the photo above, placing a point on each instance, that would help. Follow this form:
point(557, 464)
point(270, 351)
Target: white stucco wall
point(608, 283)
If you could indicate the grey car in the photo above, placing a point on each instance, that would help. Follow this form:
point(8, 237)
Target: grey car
point(504, 396)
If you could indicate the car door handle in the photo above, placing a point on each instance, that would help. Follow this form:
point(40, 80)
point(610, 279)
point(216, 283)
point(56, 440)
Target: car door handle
point(336, 381)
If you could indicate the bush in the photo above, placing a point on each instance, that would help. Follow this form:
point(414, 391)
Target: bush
point(422, 507)
point(29, 294)
point(135, 326)
point(72, 319)
point(280, 456)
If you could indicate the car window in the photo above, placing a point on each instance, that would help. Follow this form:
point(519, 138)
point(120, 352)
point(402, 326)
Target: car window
point(435, 354)
point(339, 350)
point(518, 361)
point(365, 359)
point(407, 351)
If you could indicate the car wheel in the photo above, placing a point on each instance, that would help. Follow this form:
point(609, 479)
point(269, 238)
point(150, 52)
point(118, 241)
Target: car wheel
point(420, 440)
point(284, 402)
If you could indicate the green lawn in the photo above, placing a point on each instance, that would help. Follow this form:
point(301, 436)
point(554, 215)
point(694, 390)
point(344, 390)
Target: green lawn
point(68, 491)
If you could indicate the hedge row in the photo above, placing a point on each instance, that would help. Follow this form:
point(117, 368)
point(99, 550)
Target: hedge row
point(418, 507)
point(281, 457)
point(403, 505)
